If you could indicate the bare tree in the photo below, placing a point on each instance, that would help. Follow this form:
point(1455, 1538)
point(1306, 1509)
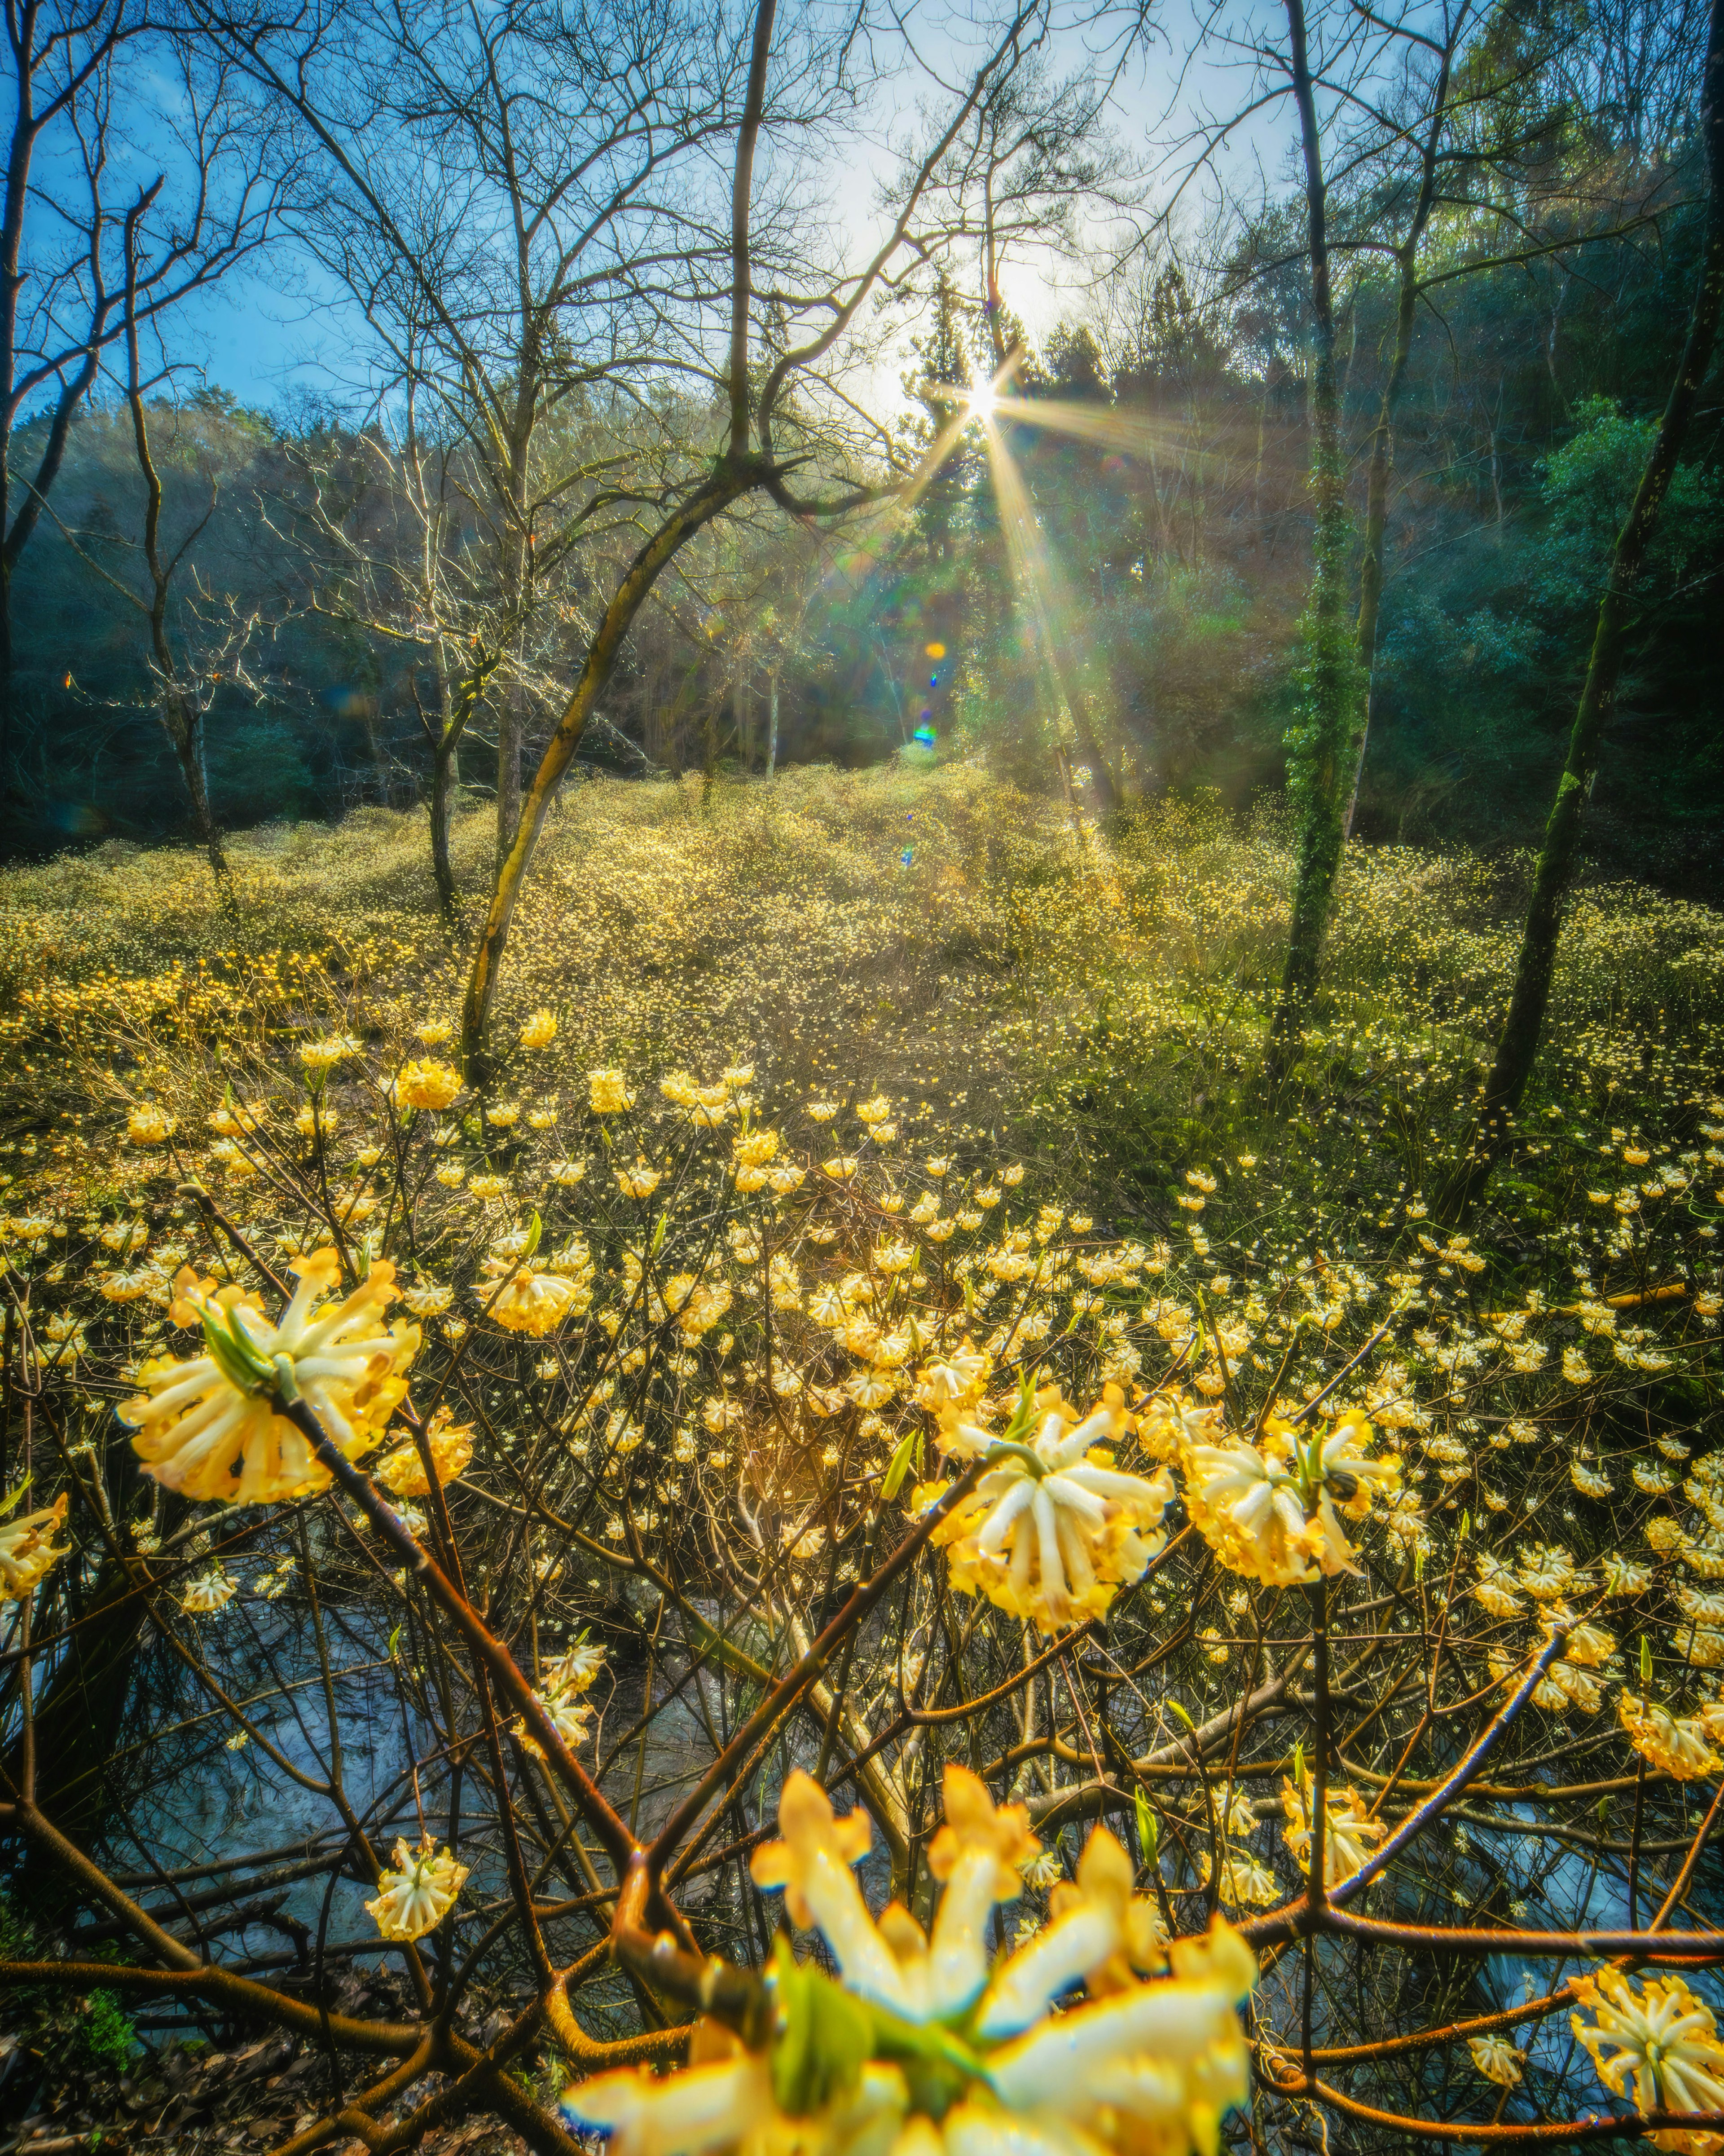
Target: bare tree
point(74, 269)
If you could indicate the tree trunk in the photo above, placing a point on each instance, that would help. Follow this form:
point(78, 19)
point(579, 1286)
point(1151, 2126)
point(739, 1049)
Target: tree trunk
point(727, 482)
point(189, 745)
point(744, 717)
point(6, 674)
point(1518, 1044)
point(445, 773)
point(772, 722)
point(1326, 741)
point(509, 738)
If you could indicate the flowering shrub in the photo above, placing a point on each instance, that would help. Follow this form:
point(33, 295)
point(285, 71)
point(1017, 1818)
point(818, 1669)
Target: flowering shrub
point(870, 1408)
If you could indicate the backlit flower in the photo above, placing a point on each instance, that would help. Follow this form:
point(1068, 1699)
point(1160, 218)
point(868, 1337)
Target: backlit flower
point(324, 1055)
point(1269, 1510)
point(534, 1302)
point(1496, 2059)
point(540, 1029)
point(27, 1551)
point(147, 1125)
point(207, 1427)
point(426, 1085)
point(1054, 1542)
point(1243, 1882)
point(1662, 2040)
point(402, 1472)
point(415, 1897)
point(1680, 1746)
point(609, 1092)
point(209, 1592)
point(891, 2060)
point(1352, 1833)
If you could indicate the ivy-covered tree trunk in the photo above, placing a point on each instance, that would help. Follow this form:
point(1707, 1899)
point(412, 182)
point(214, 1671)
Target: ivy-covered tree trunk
point(1325, 738)
point(1383, 438)
point(1517, 1046)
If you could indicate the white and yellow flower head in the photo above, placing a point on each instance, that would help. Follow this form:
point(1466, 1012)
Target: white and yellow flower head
point(1496, 2059)
point(1053, 1530)
point(533, 1302)
point(426, 1084)
point(209, 1592)
point(1663, 2040)
point(27, 1550)
point(919, 2051)
point(1677, 1744)
point(1270, 1510)
point(148, 1125)
point(207, 1427)
point(1352, 1833)
point(402, 1472)
point(415, 1897)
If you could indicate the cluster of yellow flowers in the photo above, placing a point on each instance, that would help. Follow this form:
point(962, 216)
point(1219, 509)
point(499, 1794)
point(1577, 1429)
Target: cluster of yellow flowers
point(682, 1331)
point(921, 2046)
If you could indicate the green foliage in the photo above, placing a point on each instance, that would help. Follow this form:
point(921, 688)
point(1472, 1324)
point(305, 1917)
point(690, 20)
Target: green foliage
point(1482, 653)
point(74, 2035)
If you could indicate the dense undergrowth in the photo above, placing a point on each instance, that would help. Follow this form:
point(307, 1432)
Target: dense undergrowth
point(851, 1075)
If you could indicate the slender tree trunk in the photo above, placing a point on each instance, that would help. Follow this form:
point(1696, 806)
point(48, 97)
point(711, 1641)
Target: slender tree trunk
point(1326, 743)
point(445, 773)
point(184, 730)
point(1383, 438)
point(727, 482)
point(709, 756)
point(509, 740)
point(772, 722)
point(6, 671)
point(1517, 1047)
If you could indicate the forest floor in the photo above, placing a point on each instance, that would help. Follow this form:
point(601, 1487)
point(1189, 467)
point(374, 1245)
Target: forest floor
point(994, 966)
point(1008, 980)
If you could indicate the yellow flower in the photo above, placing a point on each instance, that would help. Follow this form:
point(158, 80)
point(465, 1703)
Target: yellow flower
point(1496, 2059)
point(1053, 1542)
point(402, 1472)
point(639, 1181)
point(1350, 1837)
point(209, 1592)
point(504, 1115)
point(433, 1032)
point(540, 1029)
point(1269, 1510)
point(426, 1085)
point(207, 1427)
point(1663, 2039)
point(1245, 1883)
point(575, 1670)
point(609, 1092)
point(27, 1551)
point(415, 1897)
point(874, 1111)
point(534, 1302)
point(147, 1125)
point(322, 1054)
point(1679, 1746)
